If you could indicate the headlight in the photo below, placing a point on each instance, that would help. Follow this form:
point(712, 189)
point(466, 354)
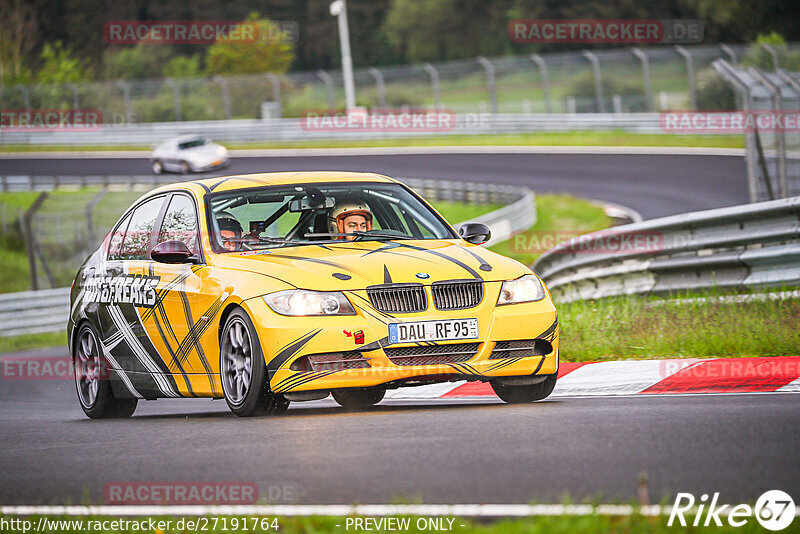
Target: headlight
point(300, 302)
point(527, 288)
point(222, 151)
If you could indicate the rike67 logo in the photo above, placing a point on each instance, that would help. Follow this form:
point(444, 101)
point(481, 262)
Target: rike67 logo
point(774, 510)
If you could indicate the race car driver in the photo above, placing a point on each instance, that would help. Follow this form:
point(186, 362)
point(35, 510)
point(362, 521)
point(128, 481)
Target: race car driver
point(230, 231)
point(349, 218)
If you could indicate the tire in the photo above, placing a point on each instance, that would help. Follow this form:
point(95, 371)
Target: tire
point(358, 397)
point(185, 168)
point(93, 388)
point(525, 394)
point(243, 371)
point(158, 167)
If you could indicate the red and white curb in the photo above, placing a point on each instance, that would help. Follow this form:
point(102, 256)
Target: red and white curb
point(645, 377)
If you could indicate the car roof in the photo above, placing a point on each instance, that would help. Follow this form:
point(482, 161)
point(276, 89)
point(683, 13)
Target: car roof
point(246, 181)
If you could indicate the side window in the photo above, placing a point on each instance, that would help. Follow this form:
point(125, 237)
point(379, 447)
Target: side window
point(115, 240)
point(180, 223)
point(136, 245)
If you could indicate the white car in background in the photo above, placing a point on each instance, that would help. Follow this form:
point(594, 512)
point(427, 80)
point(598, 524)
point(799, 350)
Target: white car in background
point(188, 153)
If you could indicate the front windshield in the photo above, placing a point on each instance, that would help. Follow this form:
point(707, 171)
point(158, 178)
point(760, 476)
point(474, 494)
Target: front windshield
point(284, 216)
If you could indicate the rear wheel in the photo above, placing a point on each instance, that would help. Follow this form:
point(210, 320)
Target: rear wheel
point(525, 394)
point(243, 371)
point(358, 397)
point(91, 380)
point(185, 168)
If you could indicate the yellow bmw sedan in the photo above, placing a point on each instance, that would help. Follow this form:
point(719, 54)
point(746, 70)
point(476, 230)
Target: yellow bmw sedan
point(264, 289)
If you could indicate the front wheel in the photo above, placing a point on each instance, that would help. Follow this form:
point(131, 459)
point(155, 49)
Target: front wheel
point(91, 380)
point(525, 394)
point(158, 167)
point(243, 371)
point(358, 398)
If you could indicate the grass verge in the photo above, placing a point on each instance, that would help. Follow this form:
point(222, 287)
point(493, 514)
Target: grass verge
point(557, 216)
point(34, 341)
point(649, 327)
point(612, 138)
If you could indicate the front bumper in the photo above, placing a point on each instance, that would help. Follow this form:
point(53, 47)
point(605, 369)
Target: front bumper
point(217, 164)
point(285, 340)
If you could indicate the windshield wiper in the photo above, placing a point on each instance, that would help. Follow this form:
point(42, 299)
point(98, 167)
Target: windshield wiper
point(363, 234)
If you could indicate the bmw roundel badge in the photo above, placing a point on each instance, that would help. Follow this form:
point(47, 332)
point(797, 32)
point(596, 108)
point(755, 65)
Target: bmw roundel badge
point(423, 276)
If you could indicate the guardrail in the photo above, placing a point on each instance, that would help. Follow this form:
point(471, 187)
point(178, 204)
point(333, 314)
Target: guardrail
point(735, 247)
point(292, 129)
point(32, 312)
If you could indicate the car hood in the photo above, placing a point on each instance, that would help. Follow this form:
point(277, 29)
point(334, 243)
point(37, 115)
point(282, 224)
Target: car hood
point(357, 265)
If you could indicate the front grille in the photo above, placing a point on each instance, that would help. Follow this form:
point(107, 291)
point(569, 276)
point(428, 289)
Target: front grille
point(433, 354)
point(336, 361)
point(457, 294)
point(398, 298)
point(521, 348)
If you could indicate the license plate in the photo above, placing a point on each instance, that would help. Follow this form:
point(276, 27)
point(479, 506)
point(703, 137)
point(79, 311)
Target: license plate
point(433, 330)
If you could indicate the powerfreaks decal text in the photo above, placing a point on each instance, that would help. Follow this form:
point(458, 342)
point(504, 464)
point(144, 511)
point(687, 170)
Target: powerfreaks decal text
point(126, 289)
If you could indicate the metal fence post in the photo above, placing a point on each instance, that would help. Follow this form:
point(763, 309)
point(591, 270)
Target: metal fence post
point(26, 96)
point(89, 213)
point(437, 92)
point(490, 82)
point(545, 79)
point(648, 92)
point(731, 54)
point(30, 244)
point(773, 53)
point(176, 97)
point(725, 70)
point(689, 74)
point(598, 80)
point(380, 85)
point(76, 103)
point(327, 79)
point(777, 104)
point(276, 90)
point(126, 97)
point(226, 95)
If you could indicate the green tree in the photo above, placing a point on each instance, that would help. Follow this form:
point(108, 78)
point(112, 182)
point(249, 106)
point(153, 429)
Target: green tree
point(138, 62)
point(272, 52)
point(60, 66)
point(18, 36)
point(759, 57)
point(183, 67)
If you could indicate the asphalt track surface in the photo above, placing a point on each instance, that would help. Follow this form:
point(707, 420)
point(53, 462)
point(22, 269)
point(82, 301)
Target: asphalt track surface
point(436, 451)
point(653, 184)
point(433, 451)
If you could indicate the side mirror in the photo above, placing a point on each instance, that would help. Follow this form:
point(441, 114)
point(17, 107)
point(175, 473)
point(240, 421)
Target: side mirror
point(171, 252)
point(475, 233)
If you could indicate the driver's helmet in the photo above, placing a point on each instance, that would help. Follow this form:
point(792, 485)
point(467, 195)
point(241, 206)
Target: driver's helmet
point(338, 218)
point(229, 230)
